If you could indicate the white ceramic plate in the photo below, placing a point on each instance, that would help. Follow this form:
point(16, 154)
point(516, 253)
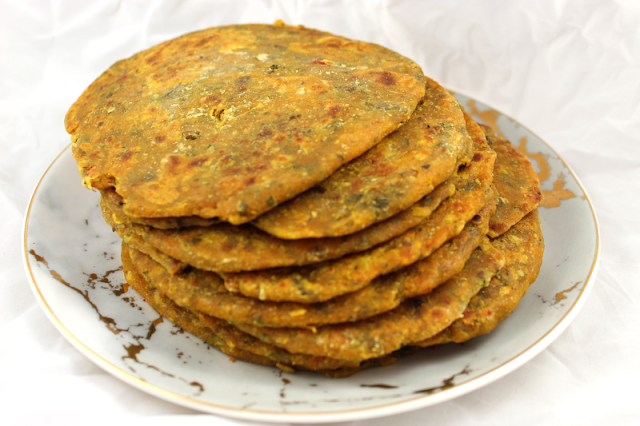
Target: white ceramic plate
point(73, 261)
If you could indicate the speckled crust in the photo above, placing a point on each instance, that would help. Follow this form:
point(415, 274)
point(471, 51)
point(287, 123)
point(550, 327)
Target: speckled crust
point(516, 182)
point(239, 345)
point(223, 336)
point(523, 246)
point(326, 280)
point(204, 292)
point(231, 121)
point(228, 248)
point(111, 201)
point(171, 264)
point(187, 320)
point(390, 177)
point(289, 361)
point(476, 134)
point(414, 320)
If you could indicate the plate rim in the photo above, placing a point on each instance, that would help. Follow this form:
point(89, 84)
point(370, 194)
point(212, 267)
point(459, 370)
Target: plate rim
point(349, 414)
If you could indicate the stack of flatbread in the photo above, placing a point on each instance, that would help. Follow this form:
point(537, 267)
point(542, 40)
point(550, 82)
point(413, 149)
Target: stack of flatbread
point(303, 200)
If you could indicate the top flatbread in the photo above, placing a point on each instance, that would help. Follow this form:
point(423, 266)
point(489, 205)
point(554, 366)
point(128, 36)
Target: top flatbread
point(406, 165)
point(229, 122)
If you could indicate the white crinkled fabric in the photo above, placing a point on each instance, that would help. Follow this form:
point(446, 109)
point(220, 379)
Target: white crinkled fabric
point(568, 70)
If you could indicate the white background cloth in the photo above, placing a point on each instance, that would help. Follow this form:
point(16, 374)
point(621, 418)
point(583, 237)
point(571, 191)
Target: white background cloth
point(567, 70)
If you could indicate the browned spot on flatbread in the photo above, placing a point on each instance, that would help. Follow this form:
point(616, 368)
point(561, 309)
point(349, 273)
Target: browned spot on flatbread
point(198, 162)
point(387, 78)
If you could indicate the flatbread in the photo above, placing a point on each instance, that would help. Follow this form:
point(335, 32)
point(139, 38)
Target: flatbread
point(241, 346)
point(517, 183)
point(323, 281)
point(227, 248)
point(231, 121)
point(414, 320)
point(204, 292)
point(114, 204)
point(476, 134)
point(222, 335)
point(406, 165)
point(523, 246)
point(135, 241)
